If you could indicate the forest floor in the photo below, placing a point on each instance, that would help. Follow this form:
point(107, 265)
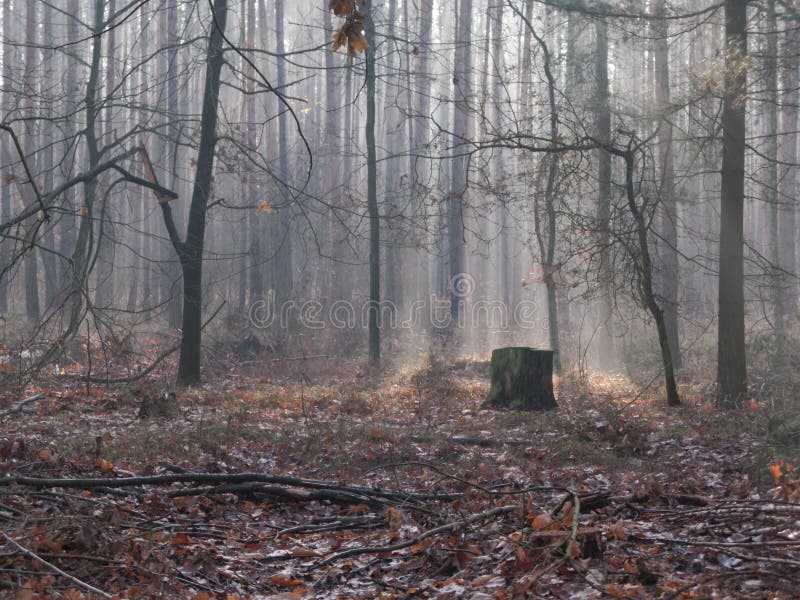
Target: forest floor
point(304, 480)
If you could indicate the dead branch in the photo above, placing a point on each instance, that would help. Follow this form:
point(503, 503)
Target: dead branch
point(52, 567)
point(217, 479)
point(20, 405)
point(468, 441)
point(284, 493)
point(451, 526)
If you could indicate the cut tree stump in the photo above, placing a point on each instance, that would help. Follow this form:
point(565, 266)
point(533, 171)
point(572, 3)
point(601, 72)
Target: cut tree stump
point(522, 379)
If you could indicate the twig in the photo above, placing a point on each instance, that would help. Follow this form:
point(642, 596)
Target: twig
point(20, 405)
point(468, 440)
point(499, 510)
point(52, 567)
point(159, 359)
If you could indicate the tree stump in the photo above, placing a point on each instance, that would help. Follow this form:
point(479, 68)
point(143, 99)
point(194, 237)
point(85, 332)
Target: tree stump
point(522, 379)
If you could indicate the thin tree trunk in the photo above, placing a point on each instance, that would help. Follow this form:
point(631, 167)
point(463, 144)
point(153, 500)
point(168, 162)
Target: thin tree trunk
point(104, 294)
point(606, 277)
point(420, 166)
point(172, 270)
point(372, 195)
point(391, 167)
point(284, 269)
point(771, 197)
point(645, 283)
point(669, 209)
point(331, 148)
point(49, 241)
point(191, 251)
point(462, 92)
point(5, 156)
point(256, 260)
point(787, 228)
point(32, 309)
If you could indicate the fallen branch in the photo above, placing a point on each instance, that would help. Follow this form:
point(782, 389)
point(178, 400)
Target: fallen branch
point(274, 491)
point(467, 440)
point(52, 567)
point(217, 479)
point(499, 510)
point(20, 405)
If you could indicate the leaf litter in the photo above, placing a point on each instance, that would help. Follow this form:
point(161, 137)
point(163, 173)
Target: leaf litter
point(352, 483)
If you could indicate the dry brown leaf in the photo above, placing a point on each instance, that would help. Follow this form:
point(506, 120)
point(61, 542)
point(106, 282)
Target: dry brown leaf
point(342, 8)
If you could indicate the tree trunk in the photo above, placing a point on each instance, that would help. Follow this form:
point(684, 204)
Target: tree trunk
point(420, 167)
point(669, 209)
point(731, 364)
point(5, 156)
point(104, 290)
point(191, 251)
point(172, 271)
point(771, 178)
point(546, 236)
point(372, 195)
point(283, 261)
point(256, 224)
point(606, 335)
point(47, 140)
point(31, 271)
point(522, 379)
point(392, 169)
point(644, 267)
point(788, 172)
point(462, 92)
point(67, 225)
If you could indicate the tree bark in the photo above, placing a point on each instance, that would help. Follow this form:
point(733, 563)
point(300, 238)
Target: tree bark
point(644, 266)
point(32, 309)
point(787, 227)
point(731, 364)
point(5, 155)
point(104, 289)
point(522, 379)
point(282, 230)
point(771, 197)
point(372, 195)
point(47, 139)
point(190, 252)
point(606, 276)
point(669, 208)
point(462, 92)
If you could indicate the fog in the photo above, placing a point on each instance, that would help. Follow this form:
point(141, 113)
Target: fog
point(504, 134)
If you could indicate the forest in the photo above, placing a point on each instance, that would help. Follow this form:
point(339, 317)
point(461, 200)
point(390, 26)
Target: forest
point(388, 299)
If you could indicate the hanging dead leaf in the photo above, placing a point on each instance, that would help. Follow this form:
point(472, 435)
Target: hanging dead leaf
point(342, 8)
point(339, 38)
point(357, 43)
point(351, 35)
point(265, 207)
